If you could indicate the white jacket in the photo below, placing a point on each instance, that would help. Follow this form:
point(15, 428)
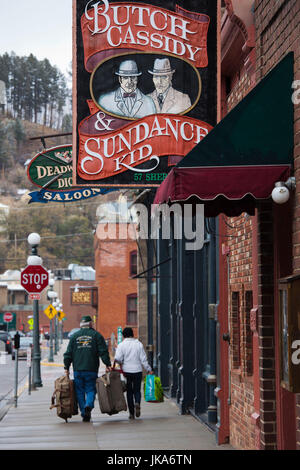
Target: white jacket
point(131, 354)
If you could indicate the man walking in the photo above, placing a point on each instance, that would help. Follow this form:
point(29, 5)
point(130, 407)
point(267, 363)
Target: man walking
point(84, 349)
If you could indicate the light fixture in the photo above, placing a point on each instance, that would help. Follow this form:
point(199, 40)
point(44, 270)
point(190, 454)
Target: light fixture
point(34, 239)
point(52, 294)
point(34, 260)
point(281, 192)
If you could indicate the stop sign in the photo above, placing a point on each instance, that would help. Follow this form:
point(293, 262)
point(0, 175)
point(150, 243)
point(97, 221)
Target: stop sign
point(8, 317)
point(34, 279)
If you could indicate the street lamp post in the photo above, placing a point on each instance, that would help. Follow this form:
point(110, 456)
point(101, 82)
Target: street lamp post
point(61, 326)
point(56, 329)
point(34, 240)
point(51, 295)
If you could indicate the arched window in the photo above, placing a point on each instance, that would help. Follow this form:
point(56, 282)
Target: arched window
point(133, 263)
point(132, 309)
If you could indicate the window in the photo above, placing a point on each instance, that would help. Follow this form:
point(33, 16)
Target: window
point(132, 309)
point(133, 263)
point(236, 330)
point(248, 333)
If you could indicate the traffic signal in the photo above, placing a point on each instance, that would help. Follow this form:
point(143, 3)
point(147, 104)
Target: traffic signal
point(17, 341)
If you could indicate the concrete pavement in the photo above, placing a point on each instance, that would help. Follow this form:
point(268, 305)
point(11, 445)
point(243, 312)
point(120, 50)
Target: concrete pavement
point(33, 426)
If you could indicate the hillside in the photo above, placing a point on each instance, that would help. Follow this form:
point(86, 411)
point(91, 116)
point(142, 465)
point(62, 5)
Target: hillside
point(31, 148)
point(66, 230)
point(16, 148)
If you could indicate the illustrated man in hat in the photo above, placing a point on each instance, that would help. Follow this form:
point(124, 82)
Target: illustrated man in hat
point(84, 349)
point(127, 100)
point(165, 97)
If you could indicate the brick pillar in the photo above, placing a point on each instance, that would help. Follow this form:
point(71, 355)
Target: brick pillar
point(298, 421)
point(266, 327)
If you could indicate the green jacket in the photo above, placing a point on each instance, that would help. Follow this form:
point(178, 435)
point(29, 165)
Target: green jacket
point(84, 349)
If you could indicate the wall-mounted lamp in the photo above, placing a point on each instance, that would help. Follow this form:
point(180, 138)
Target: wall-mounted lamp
point(281, 192)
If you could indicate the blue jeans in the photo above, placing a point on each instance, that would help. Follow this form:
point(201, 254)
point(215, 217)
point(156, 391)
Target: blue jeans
point(85, 389)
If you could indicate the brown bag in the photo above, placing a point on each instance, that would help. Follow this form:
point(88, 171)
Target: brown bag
point(111, 393)
point(64, 398)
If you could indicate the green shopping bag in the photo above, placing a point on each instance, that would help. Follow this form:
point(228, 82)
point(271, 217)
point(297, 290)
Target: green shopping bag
point(153, 391)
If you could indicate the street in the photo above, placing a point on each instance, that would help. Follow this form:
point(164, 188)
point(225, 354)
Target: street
point(7, 375)
point(33, 426)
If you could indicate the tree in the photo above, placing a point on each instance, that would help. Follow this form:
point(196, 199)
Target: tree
point(19, 132)
point(36, 90)
point(67, 123)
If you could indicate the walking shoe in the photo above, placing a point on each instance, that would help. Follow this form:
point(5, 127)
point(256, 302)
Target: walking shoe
point(87, 414)
point(137, 410)
point(131, 416)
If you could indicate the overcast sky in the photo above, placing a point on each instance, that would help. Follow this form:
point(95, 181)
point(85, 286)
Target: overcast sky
point(40, 27)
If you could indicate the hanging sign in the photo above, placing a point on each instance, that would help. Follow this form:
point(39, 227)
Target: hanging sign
point(44, 196)
point(145, 88)
point(51, 170)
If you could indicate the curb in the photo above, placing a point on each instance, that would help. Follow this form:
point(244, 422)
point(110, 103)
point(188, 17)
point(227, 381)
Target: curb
point(11, 401)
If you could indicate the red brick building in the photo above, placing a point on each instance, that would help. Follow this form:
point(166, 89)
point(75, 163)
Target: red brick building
point(233, 306)
point(257, 251)
point(115, 264)
point(74, 311)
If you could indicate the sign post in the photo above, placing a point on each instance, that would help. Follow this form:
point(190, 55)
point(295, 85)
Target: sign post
point(51, 311)
point(34, 279)
point(119, 334)
point(29, 363)
point(16, 346)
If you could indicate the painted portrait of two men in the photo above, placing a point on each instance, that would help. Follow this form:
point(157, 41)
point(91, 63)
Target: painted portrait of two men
point(129, 101)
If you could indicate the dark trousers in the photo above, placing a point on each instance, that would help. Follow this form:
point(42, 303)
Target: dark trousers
point(134, 382)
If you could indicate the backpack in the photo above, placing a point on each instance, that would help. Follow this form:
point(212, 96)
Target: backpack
point(64, 398)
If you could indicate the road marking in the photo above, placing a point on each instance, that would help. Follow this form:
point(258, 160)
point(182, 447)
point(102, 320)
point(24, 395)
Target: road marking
point(51, 364)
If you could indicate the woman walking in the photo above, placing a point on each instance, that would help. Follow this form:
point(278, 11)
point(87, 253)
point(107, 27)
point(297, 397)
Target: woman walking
point(130, 354)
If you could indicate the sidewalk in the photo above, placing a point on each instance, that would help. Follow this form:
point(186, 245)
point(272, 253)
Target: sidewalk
point(33, 426)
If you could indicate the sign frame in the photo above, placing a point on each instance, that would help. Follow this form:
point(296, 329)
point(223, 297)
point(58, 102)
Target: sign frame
point(93, 123)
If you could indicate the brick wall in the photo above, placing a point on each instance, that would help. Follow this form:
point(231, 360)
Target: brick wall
point(74, 313)
point(277, 30)
point(143, 299)
point(268, 436)
point(242, 428)
point(112, 265)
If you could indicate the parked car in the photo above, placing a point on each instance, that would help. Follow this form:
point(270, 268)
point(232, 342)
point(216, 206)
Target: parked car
point(13, 332)
point(4, 336)
point(72, 332)
point(25, 343)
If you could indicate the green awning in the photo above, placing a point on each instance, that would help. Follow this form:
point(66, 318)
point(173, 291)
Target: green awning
point(258, 131)
point(244, 155)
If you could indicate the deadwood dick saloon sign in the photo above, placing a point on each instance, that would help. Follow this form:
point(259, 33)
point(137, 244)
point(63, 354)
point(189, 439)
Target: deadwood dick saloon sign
point(145, 87)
